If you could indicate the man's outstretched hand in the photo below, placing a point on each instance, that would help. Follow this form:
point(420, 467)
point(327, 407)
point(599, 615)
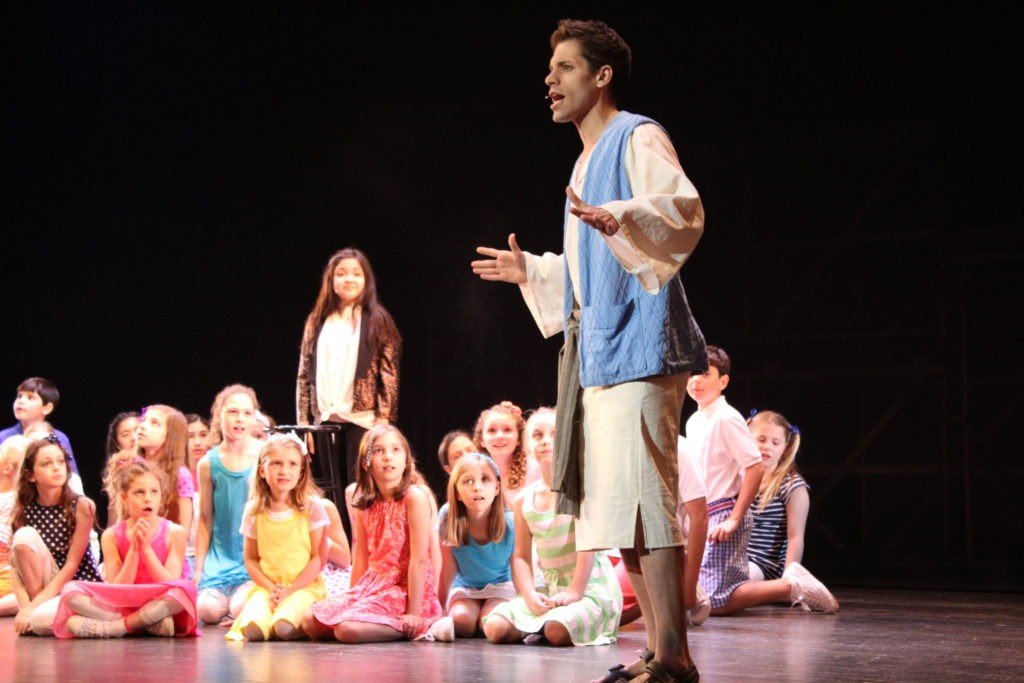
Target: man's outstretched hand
point(503, 265)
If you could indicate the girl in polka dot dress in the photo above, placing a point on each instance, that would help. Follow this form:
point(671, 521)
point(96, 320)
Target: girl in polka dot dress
point(50, 546)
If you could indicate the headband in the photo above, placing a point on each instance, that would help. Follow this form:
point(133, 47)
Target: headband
point(291, 436)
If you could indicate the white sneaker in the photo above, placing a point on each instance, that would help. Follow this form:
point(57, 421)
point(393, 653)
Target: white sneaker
point(442, 630)
point(84, 627)
point(164, 627)
point(702, 610)
point(807, 591)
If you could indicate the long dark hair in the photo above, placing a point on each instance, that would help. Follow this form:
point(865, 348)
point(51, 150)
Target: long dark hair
point(112, 446)
point(375, 316)
point(27, 491)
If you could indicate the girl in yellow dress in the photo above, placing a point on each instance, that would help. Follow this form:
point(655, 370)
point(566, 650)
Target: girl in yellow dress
point(283, 526)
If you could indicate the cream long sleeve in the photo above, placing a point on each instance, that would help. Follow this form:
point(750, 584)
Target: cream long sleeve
point(658, 228)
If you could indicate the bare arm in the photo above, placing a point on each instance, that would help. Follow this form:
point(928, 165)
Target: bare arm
point(117, 569)
point(580, 577)
point(85, 517)
point(338, 551)
point(205, 528)
point(697, 513)
point(449, 569)
point(252, 565)
point(522, 561)
point(418, 516)
point(797, 507)
point(359, 556)
point(185, 511)
point(748, 490)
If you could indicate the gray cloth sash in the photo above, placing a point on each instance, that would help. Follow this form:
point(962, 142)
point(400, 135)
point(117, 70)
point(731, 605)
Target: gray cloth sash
point(567, 475)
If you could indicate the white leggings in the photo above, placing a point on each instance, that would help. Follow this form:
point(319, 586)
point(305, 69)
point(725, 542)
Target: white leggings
point(215, 604)
point(41, 620)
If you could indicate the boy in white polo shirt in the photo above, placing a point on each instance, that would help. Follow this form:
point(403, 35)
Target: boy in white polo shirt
point(726, 456)
point(725, 453)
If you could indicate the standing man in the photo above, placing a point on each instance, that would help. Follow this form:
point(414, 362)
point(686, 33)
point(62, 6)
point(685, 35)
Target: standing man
point(632, 218)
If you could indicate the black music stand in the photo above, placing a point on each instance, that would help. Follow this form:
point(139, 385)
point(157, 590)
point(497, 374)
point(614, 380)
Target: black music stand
point(328, 463)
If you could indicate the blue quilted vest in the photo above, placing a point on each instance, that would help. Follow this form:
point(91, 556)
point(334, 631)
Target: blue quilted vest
point(625, 333)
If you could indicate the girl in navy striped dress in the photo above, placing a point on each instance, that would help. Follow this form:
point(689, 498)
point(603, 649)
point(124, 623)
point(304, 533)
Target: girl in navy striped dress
point(780, 514)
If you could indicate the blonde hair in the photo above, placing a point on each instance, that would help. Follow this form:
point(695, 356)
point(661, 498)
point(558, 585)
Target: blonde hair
point(39, 430)
point(456, 522)
point(298, 497)
point(218, 407)
point(172, 458)
point(771, 483)
point(12, 452)
point(538, 413)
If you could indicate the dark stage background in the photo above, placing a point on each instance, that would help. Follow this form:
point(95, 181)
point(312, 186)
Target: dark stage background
point(177, 176)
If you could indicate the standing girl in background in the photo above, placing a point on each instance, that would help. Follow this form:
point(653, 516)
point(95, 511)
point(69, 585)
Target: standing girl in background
point(224, 481)
point(50, 546)
point(283, 525)
point(780, 515)
point(12, 454)
point(499, 434)
point(478, 539)
point(348, 363)
point(393, 593)
point(144, 559)
point(581, 601)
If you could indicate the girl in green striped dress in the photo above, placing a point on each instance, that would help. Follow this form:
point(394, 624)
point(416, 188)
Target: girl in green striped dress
point(579, 602)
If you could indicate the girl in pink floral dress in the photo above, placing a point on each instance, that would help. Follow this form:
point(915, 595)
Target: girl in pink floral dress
point(393, 592)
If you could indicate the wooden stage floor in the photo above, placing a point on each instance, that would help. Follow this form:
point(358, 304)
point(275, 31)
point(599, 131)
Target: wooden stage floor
point(878, 635)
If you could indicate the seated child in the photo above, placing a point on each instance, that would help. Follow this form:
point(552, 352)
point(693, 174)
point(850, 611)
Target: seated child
point(50, 545)
point(283, 525)
point(454, 445)
point(34, 402)
point(393, 595)
point(581, 601)
point(478, 537)
point(12, 453)
point(144, 561)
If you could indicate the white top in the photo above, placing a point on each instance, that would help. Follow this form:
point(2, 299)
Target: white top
point(658, 228)
point(691, 483)
point(722, 448)
point(317, 517)
point(337, 351)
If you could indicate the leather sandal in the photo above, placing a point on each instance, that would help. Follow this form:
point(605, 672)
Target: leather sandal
point(619, 673)
point(657, 673)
